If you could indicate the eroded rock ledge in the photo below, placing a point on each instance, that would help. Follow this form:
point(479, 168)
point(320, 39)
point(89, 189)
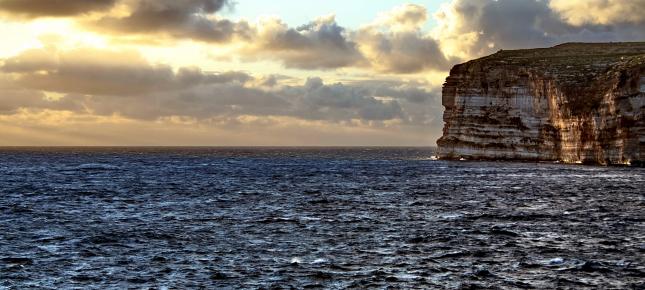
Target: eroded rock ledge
point(574, 103)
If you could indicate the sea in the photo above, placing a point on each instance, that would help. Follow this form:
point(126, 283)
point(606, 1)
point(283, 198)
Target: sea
point(313, 218)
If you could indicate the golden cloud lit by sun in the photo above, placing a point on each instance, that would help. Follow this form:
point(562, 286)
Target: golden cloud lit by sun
point(143, 72)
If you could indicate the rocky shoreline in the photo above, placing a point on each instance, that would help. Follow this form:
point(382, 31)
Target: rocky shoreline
point(636, 163)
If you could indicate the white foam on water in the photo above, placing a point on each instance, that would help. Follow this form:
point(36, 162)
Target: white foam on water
point(296, 260)
point(556, 261)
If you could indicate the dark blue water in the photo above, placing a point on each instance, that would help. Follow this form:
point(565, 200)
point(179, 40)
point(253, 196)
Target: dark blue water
point(313, 218)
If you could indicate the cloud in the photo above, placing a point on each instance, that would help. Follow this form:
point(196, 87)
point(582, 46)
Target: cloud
point(405, 17)
point(187, 19)
point(420, 102)
point(401, 51)
point(474, 28)
point(469, 28)
point(91, 87)
point(600, 12)
point(103, 72)
point(53, 8)
point(106, 82)
point(321, 44)
point(311, 101)
point(12, 100)
point(83, 89)
point(394, 43)
point(14, 97)
point(88, 71)
point(47, 128)
point(198, 102)
point(412, 92)
point(272, 81)
point(127, 85)
point(338, 102)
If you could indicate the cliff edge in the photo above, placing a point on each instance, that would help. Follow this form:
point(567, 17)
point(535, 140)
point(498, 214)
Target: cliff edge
point(574, 103)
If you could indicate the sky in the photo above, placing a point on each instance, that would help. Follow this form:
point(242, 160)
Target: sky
point(262, 73)
point(354, 13)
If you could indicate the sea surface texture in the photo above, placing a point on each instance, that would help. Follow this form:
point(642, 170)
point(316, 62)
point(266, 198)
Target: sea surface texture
point(332, 218)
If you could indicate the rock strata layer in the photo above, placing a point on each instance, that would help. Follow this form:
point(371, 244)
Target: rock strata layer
point(574, 103)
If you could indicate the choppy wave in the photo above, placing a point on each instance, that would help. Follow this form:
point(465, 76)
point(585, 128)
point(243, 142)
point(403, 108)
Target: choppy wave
point(314, 218)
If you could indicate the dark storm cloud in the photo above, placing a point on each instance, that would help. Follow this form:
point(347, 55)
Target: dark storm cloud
point(176, 18)
point(54, 8)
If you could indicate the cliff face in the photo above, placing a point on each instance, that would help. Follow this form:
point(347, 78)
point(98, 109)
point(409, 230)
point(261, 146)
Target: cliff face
point(575, 103)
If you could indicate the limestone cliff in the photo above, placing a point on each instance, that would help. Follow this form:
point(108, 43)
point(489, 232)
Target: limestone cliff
point(575, 103)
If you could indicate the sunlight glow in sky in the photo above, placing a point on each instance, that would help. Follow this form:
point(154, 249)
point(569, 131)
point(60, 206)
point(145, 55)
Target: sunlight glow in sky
point(284, 72)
